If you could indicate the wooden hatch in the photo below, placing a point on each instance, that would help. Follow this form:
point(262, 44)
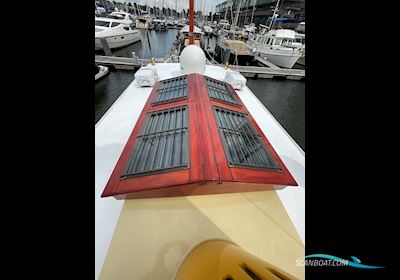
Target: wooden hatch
point(195, 136)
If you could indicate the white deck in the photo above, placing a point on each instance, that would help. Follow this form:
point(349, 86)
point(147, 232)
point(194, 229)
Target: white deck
point(113, 130)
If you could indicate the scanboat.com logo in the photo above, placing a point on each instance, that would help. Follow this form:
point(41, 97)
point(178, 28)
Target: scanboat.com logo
point(329, 260)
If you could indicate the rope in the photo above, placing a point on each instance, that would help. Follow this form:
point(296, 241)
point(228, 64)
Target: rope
point(212, 59)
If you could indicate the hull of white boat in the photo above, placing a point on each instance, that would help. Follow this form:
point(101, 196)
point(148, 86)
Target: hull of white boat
point(119, 40)
point(281, 58)
point(302, 60)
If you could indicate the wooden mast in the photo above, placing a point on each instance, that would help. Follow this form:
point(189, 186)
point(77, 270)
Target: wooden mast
point(191, 21)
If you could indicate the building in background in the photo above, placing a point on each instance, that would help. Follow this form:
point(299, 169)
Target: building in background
point(263, 10)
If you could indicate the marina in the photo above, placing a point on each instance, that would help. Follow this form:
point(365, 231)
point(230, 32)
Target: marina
point(197, 154)
point(248, 71)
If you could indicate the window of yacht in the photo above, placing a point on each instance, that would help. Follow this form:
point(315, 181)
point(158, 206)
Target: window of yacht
point(220, 91)
point(102, 23)
point(242, 144)
point(268, 41)
point(207, 136)
point(277, 41)
point(258, 39)
point(162, 143)
point(171, 89)
point(113, 24)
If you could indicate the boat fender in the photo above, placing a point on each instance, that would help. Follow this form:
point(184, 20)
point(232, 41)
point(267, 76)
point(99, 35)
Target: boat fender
point(235, 79)
point(146, 76)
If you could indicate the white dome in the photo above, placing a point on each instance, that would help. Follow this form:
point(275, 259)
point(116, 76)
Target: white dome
point(192, 60)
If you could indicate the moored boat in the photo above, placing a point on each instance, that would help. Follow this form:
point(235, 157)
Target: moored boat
point(117, 33)
point(278, 46)
point(100, 71)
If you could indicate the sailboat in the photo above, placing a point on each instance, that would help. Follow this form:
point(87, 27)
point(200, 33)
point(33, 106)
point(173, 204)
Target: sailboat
point(231, 47)
point(191, 169)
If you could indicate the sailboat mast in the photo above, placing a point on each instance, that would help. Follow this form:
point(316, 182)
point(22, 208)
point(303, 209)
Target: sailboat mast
point(237, 15)
point(247, 2)
point(252, 14)
point(226, 11)
point(204, 9)
point(191, 21)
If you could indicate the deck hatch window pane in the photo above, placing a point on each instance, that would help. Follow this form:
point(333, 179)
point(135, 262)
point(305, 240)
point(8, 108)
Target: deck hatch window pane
point(242, 144)
point(162, 144)
point(220, 91)
point(171, 89)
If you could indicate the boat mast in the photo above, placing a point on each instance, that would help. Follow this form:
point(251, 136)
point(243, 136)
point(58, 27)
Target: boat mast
point(191, 21)
point(246, 3)
point(274, 15)
point(252, 14)
point(204, 9)
point(232, 12)
point(237, 15)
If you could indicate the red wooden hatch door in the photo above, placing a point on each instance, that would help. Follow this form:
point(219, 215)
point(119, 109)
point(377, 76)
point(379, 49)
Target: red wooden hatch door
point(195, 136)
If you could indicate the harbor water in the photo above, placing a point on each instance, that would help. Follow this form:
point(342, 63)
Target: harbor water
point(284, 99)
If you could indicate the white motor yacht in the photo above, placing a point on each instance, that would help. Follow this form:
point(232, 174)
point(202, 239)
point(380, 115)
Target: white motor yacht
point(124, 17)
point(116, 32)
point(278, 46)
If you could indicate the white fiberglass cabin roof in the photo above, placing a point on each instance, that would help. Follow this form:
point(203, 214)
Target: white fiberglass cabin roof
point(140, 230)
point(282, 33)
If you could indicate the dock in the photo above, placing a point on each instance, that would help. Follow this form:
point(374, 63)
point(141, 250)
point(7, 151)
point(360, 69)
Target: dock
point(132, 63)
point(266, 62)
point(269, 73)
point(124, 63)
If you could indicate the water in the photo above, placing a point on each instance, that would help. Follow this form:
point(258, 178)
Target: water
point(284, 99)
point(109, 88)
point(160, 43)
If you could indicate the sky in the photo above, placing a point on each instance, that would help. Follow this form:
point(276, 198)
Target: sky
point(209, 5)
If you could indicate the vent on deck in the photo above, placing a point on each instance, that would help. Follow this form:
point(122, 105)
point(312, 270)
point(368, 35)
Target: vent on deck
point(171, 89)
point(242, 144)
point(162, 144)
point(220, 91)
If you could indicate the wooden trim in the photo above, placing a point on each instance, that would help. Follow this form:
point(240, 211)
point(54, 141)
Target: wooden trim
point(208, 169)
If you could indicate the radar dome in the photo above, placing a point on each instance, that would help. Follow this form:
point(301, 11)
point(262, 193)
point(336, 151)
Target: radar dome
point(192, 60)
